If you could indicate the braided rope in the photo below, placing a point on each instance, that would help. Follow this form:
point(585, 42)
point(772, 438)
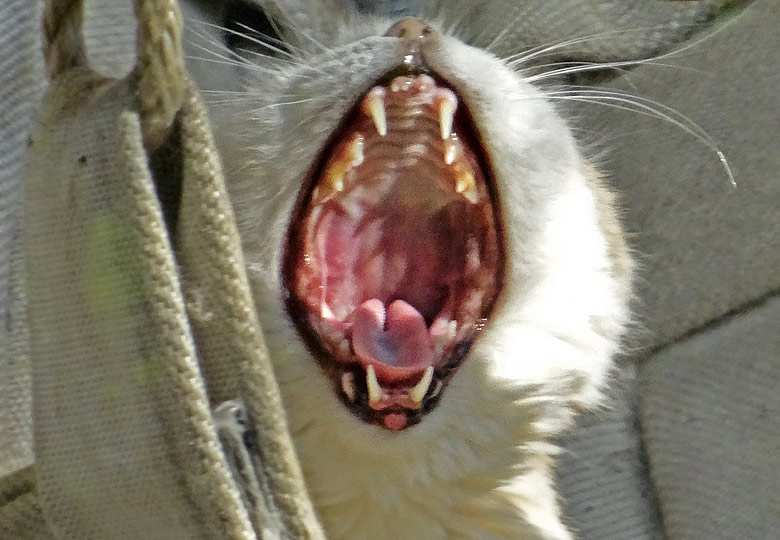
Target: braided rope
point(63, 45)
point(159, 67)
point(159, 70)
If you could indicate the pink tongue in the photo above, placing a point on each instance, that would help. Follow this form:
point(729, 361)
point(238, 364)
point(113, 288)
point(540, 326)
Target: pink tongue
point(400, 351)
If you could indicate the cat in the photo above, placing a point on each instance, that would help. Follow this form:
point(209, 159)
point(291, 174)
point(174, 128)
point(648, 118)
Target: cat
point(440, 273)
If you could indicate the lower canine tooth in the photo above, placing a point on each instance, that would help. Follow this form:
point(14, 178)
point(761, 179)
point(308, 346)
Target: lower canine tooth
point(421, 388)
point(348, 385)
point(374, 389)
point(436, 389)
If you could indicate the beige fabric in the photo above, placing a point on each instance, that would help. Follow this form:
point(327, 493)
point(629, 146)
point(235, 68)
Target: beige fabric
point(711, 411)
point(125, 442)
point(601, 475)
point(121, 419)
point(704, 250)
point(21, 85)
point(233, 357)
point(21, 515)
point(616, 30)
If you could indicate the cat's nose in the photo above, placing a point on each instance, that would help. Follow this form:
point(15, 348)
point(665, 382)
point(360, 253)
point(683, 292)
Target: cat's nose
point(411, 29)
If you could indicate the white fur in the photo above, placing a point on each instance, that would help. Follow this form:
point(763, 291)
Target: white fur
point(477, 467)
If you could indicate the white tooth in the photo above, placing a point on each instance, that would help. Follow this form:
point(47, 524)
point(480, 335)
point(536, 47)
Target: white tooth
point(452, 329)
point(436, 389)
point(450, 151)
point(465, 186)
point(326, 312)
point(447, 115)
point(336, 181)
point(352, 156)
point(374, 389)
point(421, 388)
point(356, 151)
point(348, 385)
point(375, 108)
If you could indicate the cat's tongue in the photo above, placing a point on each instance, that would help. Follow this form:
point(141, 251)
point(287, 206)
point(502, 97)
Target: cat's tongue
point(395, 340)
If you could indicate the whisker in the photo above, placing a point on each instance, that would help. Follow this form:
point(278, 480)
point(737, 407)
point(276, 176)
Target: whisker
point(653, 109)
point(281, 104)
point(253, 39)
point(544, 49)
point(649, 60)
point(308, 37)
point(219, 60)
point(453, 29)
point(506, 29)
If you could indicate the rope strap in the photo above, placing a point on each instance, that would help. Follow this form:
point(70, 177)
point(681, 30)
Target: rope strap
point(159, 68)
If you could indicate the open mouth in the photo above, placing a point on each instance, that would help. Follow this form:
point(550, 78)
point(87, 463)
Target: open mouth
point(394, 255)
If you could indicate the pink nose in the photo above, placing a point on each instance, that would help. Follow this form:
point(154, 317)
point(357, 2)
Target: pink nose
point(411, 29)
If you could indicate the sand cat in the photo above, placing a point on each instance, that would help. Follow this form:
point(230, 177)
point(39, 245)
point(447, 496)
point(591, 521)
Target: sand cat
point(439, 272)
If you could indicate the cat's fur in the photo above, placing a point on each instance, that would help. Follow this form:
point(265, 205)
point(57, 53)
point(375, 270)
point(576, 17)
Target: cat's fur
point(479, 465)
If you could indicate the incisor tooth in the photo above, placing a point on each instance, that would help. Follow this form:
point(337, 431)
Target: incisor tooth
point(374, 389)
point(421, 388)
point(374, 106)
point(452, 329)
point(447, 108)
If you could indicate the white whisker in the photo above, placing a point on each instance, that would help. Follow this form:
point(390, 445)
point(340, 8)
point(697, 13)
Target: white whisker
point(647, 107)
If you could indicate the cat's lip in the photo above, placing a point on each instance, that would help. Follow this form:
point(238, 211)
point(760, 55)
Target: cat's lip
point(406, 178)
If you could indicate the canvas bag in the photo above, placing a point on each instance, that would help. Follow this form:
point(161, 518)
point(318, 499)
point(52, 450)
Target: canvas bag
point(144, 348)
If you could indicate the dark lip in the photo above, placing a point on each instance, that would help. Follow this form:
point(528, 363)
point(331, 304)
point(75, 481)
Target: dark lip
point(297, 310)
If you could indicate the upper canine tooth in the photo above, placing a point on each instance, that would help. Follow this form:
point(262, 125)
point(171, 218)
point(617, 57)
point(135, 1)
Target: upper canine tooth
point(374, 106)
point(421, 388)
point(374, 389)
point(447, 106)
